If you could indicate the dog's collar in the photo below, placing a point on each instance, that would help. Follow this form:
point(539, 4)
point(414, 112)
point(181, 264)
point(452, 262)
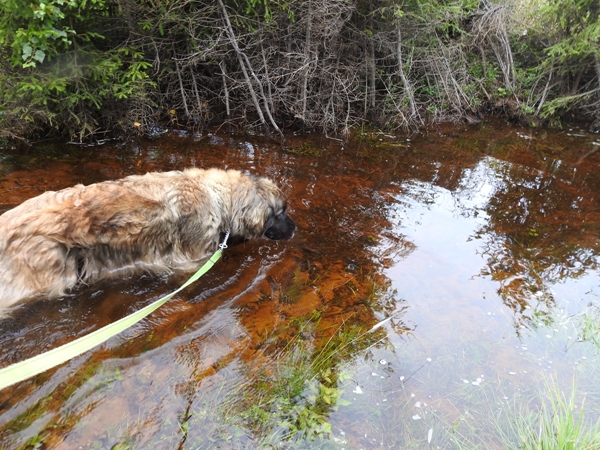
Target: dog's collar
point(223, 245)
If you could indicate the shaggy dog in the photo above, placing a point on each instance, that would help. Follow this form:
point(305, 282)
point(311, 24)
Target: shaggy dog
point(154, 222)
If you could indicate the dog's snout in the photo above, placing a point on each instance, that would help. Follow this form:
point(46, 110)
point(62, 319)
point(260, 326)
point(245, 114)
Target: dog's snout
point(282, 229)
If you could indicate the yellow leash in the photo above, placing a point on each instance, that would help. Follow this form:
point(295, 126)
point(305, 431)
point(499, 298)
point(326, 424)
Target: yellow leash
point(40, 363)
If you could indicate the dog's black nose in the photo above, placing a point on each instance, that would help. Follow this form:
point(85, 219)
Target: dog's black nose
point(282, 230)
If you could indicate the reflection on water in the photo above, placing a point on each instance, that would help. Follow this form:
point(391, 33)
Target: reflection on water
point(480, 245)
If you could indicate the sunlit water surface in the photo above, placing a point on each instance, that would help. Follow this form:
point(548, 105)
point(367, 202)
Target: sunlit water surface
point(471, 253)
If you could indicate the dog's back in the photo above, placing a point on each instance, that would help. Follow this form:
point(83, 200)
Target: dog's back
point(80, 234)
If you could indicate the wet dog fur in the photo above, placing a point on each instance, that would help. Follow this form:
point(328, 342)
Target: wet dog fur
point(155, 222)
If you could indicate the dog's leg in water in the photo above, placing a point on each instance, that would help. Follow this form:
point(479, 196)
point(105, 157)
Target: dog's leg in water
point(51, 271)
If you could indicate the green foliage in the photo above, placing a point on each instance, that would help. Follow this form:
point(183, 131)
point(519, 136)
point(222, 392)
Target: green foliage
point(264, 9)
point(572, 54)
point(578, 35)
point(562, 104)
point(38, 31)
point(72, 92)
point(63, 74)
point(485, 72)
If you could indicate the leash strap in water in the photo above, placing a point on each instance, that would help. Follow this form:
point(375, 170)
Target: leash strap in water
point(40, 363)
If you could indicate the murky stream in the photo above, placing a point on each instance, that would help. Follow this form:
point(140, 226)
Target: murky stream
point(433, 282)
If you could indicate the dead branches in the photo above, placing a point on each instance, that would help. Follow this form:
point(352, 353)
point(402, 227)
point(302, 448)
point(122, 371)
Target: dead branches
point(320, 64)
point(490, 31)
point(247, 67)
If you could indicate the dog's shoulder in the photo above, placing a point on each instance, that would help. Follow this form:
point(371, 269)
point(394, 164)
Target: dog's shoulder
point(215, 175)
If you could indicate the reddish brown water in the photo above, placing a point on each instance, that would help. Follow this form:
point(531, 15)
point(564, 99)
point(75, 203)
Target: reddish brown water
point(481, 243)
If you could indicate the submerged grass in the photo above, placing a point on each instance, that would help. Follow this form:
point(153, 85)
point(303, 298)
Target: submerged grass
point(550, 419)
point(285, 401)
point(298, 394)
point(557, 423)
point(291, 398)
point(588, 322)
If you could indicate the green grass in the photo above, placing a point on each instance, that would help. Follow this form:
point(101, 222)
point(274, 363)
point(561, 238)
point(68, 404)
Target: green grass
point(588, 322)
point(557, 423)
point(297, 393)
point(290, 399)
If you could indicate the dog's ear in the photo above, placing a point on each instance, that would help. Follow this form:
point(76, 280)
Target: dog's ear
point(270, 220)
point(251, 206)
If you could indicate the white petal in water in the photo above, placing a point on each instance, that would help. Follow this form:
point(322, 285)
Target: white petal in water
point(402, 378)
point(429, 435)
point(466, 381)
point(512, 373)
point(358, 390)
point(416, 417)
point(418, 404)
point(382, 361)
point(374, 374)
point(428, 359)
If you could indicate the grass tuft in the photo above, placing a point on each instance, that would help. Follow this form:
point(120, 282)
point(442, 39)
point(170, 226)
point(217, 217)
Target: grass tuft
point(558, 423)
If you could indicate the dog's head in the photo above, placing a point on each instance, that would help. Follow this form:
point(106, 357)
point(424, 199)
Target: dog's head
point(279, 226)
point(259, 209)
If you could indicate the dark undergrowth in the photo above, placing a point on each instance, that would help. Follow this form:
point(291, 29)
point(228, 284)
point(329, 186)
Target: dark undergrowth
point(89, 70)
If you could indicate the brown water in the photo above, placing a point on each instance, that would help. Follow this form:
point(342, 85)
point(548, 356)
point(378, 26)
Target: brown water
point(480, 243)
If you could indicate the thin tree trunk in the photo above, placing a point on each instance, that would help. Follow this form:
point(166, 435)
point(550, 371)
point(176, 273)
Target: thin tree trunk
point(307, 44)
point(195, 86)
point(238, 52)
point(597, 67)
point(264, 98)
point(405, 82)
point(185, 106)
point(224, 74)
point(266, 66)
point(372, 73)
point(576, 82)
point(544, 93)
